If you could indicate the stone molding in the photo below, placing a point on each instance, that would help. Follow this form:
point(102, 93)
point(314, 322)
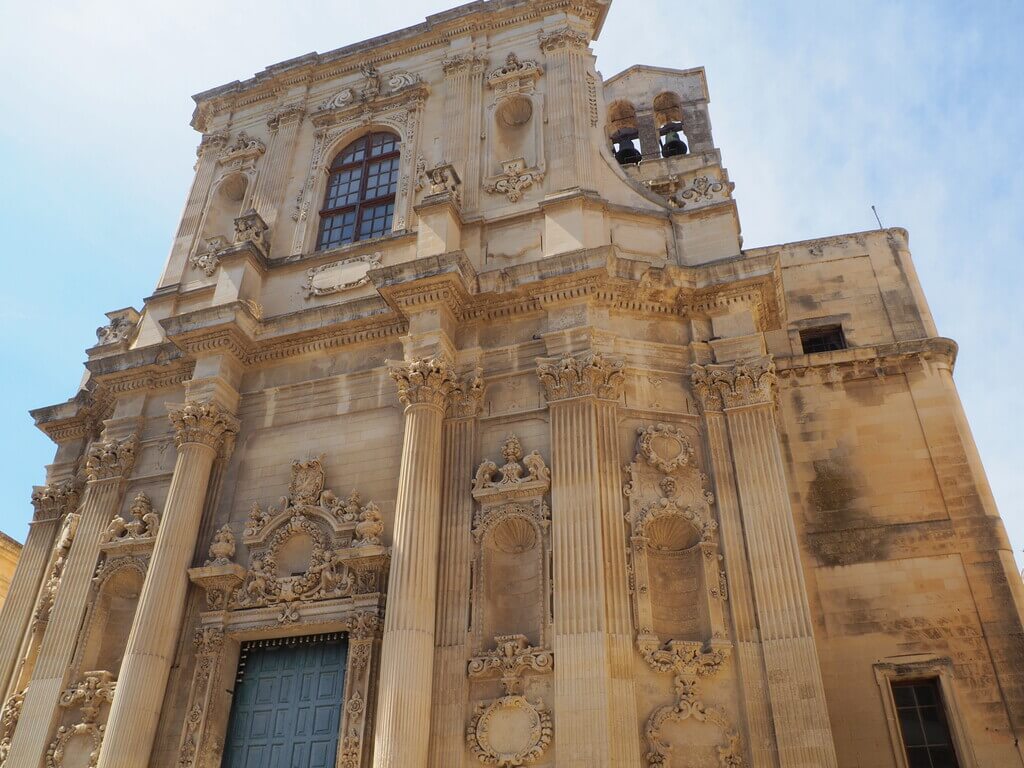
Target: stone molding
point(111, 459)
point(425, 382)
point(202, 424)
point(721, 387)
point(55, 500)
point(589, 375)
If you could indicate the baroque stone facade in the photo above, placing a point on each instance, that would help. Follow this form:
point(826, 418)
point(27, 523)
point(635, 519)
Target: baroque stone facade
point(738, 517)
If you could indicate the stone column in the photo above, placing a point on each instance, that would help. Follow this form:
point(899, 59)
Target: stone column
point(52, 503)
point(407, 654)
point(569, 108)
point(795, 689)
point(269, 187)
point(595, 702)
point(135, 711)
point(463, 77)
point(749, 657)
point(108, 463)
point(451, 654)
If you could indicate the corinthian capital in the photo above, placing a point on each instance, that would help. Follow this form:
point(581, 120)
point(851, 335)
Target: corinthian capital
point(591, 374)
point(730, 386)
point(565, 37)
point(431, 382)
point(55, 500)
point(203, 424)
point(111, 459)
point(468, 396)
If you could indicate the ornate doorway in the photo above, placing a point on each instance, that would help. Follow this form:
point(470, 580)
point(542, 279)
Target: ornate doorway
point(286, 711)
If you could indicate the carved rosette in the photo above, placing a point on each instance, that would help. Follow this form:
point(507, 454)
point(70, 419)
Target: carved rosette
point(111, 459)
point(55, 500)
point(589, 375)
point(202, 424)
point(721, 387)
point(425, 382)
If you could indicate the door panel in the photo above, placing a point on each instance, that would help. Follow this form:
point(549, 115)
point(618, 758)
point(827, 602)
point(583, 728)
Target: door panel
point(287, 705)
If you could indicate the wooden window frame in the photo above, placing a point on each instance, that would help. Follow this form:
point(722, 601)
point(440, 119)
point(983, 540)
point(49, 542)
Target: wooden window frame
point(362, 202)
point(940, 670)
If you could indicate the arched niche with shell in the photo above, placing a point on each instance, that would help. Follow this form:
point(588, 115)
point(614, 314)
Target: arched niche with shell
point(678, 581)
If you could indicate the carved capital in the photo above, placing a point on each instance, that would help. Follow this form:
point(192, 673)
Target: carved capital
point(111, 459)
point(565, 37)
point(589, 375)
point(468, 396)
point(721, 387)
point(204, 424)
point(212, 142)
point(462, 63)
point(430, 382)
point(55, 500)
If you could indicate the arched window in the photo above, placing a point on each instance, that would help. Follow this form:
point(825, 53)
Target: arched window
point(360, 200)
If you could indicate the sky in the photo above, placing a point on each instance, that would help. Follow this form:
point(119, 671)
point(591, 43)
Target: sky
point(820, 109)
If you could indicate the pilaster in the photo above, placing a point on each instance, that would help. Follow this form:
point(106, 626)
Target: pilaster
point(407, 653)
point(200, 431)
point(108, 463)
point(266, 199)
point(463, 104)
point(567, 69)
point(745, 392)
point(451, 650)
point(595, 702)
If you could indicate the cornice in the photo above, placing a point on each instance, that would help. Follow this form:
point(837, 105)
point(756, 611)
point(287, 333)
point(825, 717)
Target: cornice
point(867, 362)
point(76, 419)
point(447, 280)
point(152, 367)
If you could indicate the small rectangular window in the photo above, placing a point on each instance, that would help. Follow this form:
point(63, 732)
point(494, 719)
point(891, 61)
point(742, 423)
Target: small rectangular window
point(923, 725)
point(827, 338)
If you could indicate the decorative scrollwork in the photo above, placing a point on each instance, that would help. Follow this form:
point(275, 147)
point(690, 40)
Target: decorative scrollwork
point(514, 180)
point(526, 731)
point(142, 526)
point(510, 659)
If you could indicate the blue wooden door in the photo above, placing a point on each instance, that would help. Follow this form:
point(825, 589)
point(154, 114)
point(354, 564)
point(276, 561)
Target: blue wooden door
point(287, 705)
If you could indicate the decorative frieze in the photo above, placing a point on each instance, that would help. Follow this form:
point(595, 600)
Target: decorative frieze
point(702, 189)
point(590, 375)
point(374, 86)
point(732, 386)
point(202, 424)
point(425, 381)
point(111, 459)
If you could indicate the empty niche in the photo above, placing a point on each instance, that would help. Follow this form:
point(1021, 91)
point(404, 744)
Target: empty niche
point(511, 531)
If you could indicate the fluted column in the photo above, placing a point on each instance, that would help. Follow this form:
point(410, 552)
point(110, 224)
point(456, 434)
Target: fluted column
point(463, 76)
point(451, 654)
point(52, 503)
point(595, 702)
point(749, 657)
point(569, 107)
point(746, 394)
point(266, 197)
point(407, 653)
point(108, 463)
point(200, 430)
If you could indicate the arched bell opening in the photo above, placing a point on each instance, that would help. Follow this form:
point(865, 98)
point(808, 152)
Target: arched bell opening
point(668, 116)
point(624, 132)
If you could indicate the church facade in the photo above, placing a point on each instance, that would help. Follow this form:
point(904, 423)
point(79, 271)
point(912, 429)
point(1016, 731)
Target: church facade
point(461, 429)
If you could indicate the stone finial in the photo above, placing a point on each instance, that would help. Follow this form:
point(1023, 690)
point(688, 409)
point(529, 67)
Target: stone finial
point(222, 549)
point(203, 424)
point(591, 374)
point(370, 527)
point(721, 387)
point(429, 382)
point(111, 459)
point(55, 500)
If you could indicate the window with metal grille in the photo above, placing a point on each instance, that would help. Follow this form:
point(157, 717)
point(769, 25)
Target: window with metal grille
point(923, 725)
point(359, 203)
point(827, 338)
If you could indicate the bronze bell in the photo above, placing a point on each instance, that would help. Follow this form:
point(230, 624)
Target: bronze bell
point(673, 145)
point(627, 154)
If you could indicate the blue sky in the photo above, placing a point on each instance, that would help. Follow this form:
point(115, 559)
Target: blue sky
point(821, 110)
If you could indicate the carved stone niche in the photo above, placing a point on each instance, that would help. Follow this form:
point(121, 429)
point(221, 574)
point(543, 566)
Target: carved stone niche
point(678, 589)
point(512, 583)
point(514, 147)
point(313, 547)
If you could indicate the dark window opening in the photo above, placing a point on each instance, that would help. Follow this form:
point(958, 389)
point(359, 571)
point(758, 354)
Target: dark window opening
point(828, 338)
point(923, 725)
point(359, 203)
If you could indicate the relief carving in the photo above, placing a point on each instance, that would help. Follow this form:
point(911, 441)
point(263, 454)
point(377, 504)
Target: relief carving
point(120, 328)
point(749, 382)
point(89, 696)
point(340, 276)
point(9, 716)
point(430, 381)
point(55, 500)
point(590, 374)
point(203, 424)
point(57, 559)
point(514, 180)
point(141, 529)
point(111, 459)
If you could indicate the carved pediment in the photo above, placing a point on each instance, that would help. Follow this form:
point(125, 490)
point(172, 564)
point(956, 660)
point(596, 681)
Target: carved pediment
point(243, 148)
point(515, 74)
point(312, 546)
point(520, 477)
point(136, 534)
point(374, 86)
